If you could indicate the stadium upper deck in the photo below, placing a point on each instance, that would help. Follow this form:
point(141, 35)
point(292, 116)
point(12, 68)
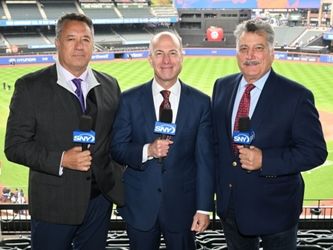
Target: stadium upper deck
point(28, 26)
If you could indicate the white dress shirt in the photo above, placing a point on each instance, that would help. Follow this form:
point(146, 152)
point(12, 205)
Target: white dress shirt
point(158, 98)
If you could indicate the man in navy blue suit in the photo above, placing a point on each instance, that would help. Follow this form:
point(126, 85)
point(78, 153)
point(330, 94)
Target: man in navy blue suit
point(260, 188)
point(172, 196)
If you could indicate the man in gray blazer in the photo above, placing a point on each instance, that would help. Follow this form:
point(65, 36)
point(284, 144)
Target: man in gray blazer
point(68, 185)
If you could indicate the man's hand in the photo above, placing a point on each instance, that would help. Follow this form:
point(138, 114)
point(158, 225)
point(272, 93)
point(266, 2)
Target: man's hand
point(159, 148)
point(200, 222)
point(250, 158)
point(76, 159)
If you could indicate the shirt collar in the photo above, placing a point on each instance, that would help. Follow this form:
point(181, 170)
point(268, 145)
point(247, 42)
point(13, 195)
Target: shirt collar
point(259, 83)
point(175, 89)
point(68, 75)
point(65, 78)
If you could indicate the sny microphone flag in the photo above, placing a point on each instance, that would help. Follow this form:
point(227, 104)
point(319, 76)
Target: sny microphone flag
point(84, 137)
point(243, 137)
point(165, 128)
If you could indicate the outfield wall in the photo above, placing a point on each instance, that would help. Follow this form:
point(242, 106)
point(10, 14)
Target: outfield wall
point(285, 55)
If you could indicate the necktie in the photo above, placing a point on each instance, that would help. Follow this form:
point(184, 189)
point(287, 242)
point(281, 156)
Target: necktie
point(243, 108)
point(78, 92)
point(165, 103)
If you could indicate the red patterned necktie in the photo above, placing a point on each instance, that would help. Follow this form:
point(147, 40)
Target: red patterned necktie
point(78, 92)
point(243, 108)
point(165, 103)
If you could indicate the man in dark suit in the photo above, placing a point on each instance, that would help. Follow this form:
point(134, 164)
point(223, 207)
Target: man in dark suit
point(260, 188)
point(67, 185)
point(168, 182)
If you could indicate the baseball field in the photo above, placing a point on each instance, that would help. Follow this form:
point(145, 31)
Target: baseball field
point(201, 73)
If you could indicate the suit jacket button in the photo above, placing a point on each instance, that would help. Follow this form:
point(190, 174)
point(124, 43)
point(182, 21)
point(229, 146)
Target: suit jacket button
point(234, 163)
point(159, 190)
point(88, 178)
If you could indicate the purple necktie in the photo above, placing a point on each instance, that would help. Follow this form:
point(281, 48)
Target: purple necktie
point(78, 92)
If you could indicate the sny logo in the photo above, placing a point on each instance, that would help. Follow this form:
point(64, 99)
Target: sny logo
point(84, 137)
point(245, 138)
point(165, 128)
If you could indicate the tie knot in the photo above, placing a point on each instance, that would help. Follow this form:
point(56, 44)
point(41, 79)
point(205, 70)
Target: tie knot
point(165, 94)
point(249, 87)
point(77, 82)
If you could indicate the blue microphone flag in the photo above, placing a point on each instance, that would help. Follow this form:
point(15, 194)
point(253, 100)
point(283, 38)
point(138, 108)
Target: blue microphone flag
point(84, 137)
point(243, 137)
point(165, 128)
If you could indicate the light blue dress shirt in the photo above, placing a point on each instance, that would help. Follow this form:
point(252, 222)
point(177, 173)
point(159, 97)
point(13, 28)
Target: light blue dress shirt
point(255, 94)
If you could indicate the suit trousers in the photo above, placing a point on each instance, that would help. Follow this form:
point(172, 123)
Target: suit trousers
point(91, 234)
point(150, 240)
point(285, 240)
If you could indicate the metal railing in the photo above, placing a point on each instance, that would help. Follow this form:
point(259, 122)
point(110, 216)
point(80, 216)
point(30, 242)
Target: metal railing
point(15, 218)
point(315, 229)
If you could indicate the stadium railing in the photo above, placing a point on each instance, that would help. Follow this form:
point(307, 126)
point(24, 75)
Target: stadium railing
point(315, 229)
point(15, 218)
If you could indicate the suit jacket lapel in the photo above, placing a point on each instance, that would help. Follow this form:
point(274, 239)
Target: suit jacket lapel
point(62, 100)
point(148, 109)
point(265, 101)
point(183, 108)
point(97, 86)
point(98, 91)
point(232, 93)
point(65, 98)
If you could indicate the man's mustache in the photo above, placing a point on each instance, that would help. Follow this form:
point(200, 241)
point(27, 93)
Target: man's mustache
point(251, 62)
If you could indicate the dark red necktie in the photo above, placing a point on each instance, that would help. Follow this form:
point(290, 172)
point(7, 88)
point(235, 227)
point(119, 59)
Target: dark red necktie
point(165, 103)
point(243, 108)
point(78, 92)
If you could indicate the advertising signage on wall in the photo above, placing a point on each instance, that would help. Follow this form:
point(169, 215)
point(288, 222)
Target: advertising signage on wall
point(279, 55)
point(246, 4)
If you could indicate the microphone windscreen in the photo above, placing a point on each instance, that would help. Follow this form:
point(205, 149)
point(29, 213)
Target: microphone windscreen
point(166, 115)
point(86, 123)
point(244, 123)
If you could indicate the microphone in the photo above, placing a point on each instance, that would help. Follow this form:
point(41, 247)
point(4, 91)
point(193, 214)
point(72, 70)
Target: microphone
point(85, 136)
point(166, 115)
point(244, 135)
point(164, 126)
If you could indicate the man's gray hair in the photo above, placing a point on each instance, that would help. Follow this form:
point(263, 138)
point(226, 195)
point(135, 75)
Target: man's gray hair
point(73, 17)
point(256, 26)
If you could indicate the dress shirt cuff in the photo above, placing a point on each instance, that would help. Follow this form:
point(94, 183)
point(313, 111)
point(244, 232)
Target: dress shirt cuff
point(61, 168)
point(203, 212)
point(145, 154)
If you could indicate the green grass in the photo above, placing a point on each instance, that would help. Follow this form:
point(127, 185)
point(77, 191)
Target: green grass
point(200, 72)
point(319, 181)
